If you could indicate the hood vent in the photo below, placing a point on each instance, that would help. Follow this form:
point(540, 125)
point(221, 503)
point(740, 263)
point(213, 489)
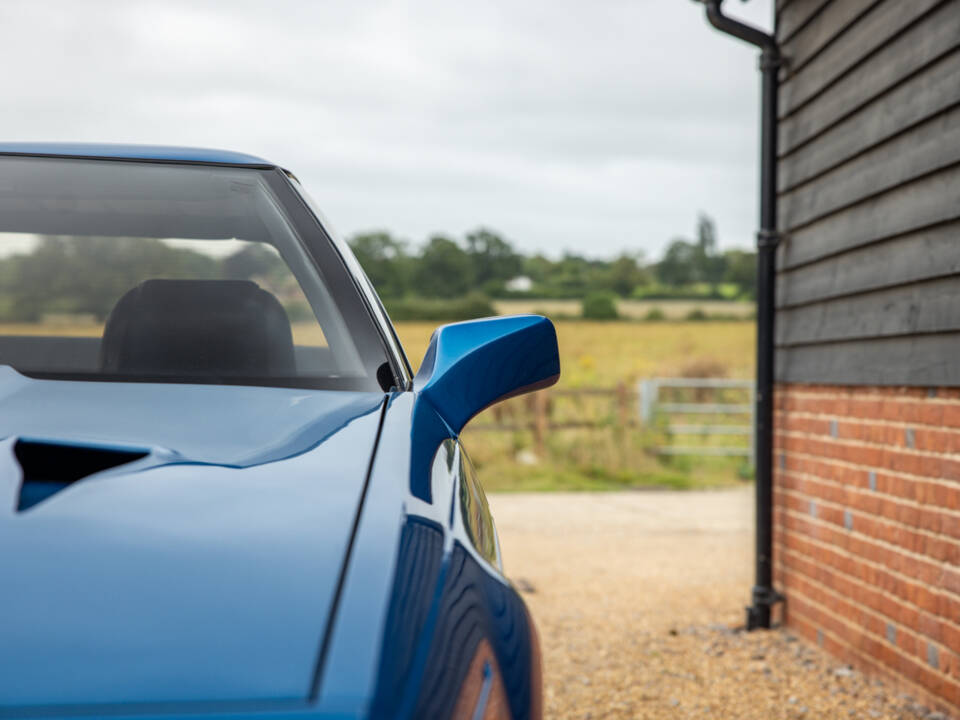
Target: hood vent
point(50, 467)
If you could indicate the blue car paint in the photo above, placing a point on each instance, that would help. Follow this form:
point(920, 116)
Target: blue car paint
point(133, 152)
point(350, 672)
point(236, 426)
point(353, 667)
point(469, 366)
point(177, 583)
point(284, 477)
point(359, 681)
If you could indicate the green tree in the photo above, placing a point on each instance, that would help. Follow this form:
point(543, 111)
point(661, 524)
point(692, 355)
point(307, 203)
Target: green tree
point(89, 274)
point(741, 270)
point(624, 274)
point(443, 269)
point(384, 258)
point(494, 259)
point(706, 235)
point(538, 268)
point(679, 264)
point(709, 264)
point(251, 261)
point(686, 263)
point(574, 275)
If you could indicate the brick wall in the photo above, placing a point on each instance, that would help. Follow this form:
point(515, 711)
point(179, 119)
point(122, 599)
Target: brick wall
point(867, 528)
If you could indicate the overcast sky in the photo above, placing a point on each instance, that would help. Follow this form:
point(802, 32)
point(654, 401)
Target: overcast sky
point(593, 127)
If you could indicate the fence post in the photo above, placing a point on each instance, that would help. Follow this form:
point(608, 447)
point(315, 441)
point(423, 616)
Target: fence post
point(623, 405)
point(648, 389)
point(540, 405)
point(623, 418)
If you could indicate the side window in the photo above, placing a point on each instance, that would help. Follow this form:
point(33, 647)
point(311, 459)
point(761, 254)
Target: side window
point(476, 513)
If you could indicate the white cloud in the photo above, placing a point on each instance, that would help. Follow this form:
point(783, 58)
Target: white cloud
point(592, 127)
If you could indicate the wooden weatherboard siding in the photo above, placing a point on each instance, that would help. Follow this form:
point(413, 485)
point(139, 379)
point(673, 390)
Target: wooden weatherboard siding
point(869, 175)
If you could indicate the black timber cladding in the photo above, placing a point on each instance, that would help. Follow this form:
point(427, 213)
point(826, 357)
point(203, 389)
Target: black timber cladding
point(869, 192)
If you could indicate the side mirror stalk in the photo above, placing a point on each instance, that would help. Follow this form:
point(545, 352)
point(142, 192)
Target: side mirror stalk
point(470, 366)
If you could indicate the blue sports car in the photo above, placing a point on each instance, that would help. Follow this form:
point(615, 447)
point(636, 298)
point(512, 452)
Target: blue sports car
point(223, 492)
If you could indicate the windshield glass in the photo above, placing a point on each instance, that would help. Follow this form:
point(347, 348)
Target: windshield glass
point(151, 272)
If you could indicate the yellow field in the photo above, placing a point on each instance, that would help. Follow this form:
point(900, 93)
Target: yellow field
point(605, 353)
point(72, 329)
point(304, 333)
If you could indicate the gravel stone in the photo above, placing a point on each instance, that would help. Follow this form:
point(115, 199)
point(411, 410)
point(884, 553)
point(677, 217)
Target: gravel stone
point(639, 604)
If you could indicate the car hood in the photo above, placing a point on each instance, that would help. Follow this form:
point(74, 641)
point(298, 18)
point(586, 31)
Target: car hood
point(203, 571)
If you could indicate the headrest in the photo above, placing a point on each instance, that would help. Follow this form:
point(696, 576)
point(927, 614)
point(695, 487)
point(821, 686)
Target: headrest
point(198, 328)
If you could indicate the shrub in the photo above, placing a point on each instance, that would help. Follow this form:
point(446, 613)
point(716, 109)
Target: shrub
point(655, 314)
point(704, 368)
point(697, 315)
point(436, 310)
point(600, 306)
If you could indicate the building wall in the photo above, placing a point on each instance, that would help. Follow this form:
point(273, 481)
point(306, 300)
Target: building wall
point(869, 178)
point(867, 465)
point(867, 526)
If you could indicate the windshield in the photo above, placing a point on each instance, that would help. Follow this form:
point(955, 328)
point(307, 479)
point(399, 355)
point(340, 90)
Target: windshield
point(130, 271)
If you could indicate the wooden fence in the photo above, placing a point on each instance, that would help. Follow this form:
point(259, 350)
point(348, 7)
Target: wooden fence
point(539, 419)
point(650, 405)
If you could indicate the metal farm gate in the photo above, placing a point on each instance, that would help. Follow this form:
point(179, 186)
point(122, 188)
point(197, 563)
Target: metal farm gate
point(693, 413)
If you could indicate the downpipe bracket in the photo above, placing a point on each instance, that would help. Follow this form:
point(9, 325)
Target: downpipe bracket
point(769, 238)
point(771, 60)
point(764, 599)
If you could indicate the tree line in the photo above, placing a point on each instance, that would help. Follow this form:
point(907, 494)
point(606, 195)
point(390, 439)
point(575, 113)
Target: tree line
point(485, 262)
point(445, 279)
point(61, 276)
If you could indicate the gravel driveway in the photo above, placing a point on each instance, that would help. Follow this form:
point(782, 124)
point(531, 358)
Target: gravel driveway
point(635, 596)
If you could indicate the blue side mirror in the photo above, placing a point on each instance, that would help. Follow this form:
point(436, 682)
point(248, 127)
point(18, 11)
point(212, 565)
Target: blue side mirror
point(471, 365)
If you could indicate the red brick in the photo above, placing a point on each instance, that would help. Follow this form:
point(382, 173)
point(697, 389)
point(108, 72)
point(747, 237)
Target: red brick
point(900, 561)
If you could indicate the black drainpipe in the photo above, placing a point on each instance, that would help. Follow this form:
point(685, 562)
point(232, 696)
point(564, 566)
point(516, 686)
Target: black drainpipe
point(763, 596)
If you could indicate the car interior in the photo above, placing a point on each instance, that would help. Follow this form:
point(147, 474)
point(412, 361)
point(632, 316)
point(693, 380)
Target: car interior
point(197, 327)
point(164, 322)
point(179, 329)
